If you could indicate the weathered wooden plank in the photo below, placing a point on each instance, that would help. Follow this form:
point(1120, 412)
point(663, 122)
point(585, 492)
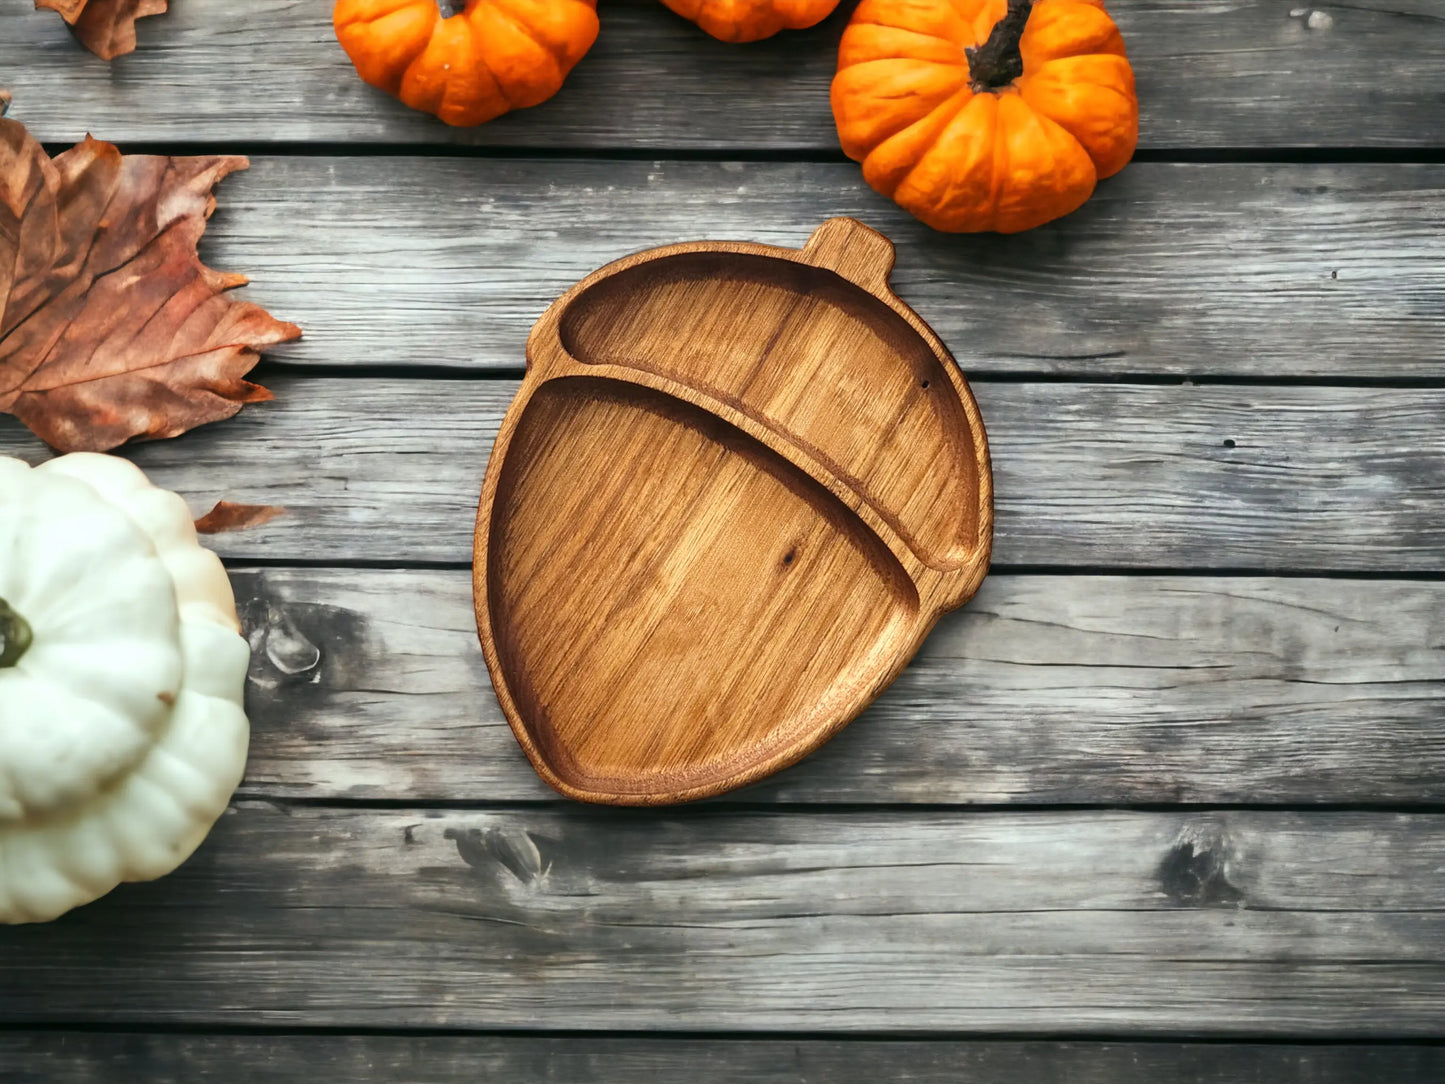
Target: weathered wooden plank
point(1277, 270)
point(1078, 689)
point(1085, 474)
point(1238, 73)
point(1272, 924)
point(61, 1057)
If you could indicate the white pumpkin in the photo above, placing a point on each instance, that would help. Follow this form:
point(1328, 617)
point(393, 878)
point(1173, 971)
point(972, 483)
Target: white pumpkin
point(122, 669)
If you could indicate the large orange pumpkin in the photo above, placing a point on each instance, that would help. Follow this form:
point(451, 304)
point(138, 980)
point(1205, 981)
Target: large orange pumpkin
point(489, 57)
point(750, 20)
point(985, 114)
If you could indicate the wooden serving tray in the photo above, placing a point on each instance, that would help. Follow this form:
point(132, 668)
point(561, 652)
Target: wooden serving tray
point(737, 488)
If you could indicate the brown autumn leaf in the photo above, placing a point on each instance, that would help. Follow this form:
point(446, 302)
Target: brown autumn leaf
point(105, 27)
point(110, 325)
point(230, 516)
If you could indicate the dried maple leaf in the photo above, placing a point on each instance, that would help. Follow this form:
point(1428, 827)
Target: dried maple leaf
point(110, 325)
point(105, 27)
point(229, 516)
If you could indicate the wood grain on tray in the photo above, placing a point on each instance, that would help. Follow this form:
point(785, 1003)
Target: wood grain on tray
point(736, 489)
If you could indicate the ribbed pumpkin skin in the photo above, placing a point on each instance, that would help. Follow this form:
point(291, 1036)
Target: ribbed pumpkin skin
point(492, 57)
point(967, 160)
point(751, 20)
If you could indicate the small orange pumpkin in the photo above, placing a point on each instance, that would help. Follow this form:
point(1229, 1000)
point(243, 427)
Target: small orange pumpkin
point(752, 20)
point(985, 114)
point(490, 57)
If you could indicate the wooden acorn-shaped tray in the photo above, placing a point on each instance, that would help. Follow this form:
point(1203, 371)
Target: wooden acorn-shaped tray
point(738, 486)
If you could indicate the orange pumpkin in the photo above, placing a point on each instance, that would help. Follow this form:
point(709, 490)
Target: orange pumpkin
point(985, 114)
point(475, 64)
point(750, 20)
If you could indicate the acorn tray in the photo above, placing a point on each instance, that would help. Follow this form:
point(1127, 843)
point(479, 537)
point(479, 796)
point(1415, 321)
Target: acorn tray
point(737, 488)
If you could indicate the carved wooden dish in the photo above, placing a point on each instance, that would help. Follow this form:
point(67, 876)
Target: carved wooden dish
point(737, 488)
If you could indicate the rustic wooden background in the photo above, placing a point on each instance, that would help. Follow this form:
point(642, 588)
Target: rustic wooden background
point(1166, 802)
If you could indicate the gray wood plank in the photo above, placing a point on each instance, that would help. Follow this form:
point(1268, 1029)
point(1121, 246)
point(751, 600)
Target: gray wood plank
point(1161, 923)
point(1238, 73)
point(61, 1057)
point(1124, 476)
point(1274, 270)
point(1075, 689)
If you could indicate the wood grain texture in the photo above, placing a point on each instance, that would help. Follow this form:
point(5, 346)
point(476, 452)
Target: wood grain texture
point(1266, 270)
point(62, 1057)
point(1075, 689)
point(1162, 923)
point(1123, 476)
point(1238, 73)
point(736, 489)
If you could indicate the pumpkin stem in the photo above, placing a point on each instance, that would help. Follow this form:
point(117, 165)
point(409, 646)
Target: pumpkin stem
point(451, 7)
point(997, 62)
point(14, 635)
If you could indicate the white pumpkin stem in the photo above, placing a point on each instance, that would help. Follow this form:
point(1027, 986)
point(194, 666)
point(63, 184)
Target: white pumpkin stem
point(998, 62)
point(14, 635)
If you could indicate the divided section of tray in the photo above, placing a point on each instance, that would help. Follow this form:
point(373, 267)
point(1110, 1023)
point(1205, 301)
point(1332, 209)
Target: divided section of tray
point(810, 355)
point(664, 591)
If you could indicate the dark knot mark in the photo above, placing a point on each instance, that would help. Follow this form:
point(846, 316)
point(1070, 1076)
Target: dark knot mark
point(514, 849)
point(283, 636)
point(301, 652)
point(1193, 873)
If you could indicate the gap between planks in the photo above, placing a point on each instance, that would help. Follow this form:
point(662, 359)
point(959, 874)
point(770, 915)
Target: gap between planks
point(268, 148)
point(79, 1057)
